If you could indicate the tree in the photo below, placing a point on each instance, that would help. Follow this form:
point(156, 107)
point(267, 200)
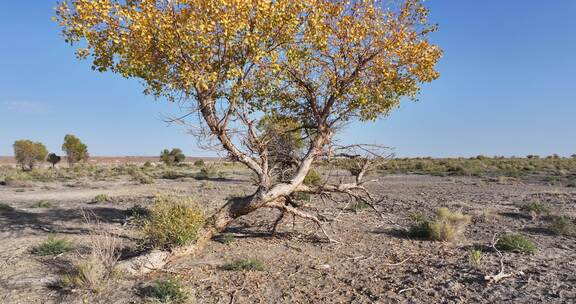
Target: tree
point(318, 63)
point(173, 157)
point(75, 150)
point(53, 159)
point(28, 153)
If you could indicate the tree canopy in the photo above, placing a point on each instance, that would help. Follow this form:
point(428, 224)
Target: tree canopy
point(28, 153)
point(76, 151)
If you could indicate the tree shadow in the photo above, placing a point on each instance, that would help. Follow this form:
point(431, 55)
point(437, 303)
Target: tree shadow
point(51, 220)
point(538, 230)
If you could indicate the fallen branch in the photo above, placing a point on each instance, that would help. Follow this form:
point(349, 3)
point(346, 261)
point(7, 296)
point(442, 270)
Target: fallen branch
point(500, 275)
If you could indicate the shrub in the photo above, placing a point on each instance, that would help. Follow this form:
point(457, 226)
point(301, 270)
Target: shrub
point(28, 153)
point(138, 211)
point(5, 208)
point(563, 225)
point(139, 176)
point(226, 239)
point(173, 221)
point(199, 163)
point(53, 159)
point(516, 242)
point(166, 291)
point(475, 257)
point(42, 204)
point(85, 275)
point(173, 157)
point(447, 226)
point(101, 198)
point(535, 209)
point(207, 172)
point(75, 150)
point(313, 178)
point(52, 246)
point(244, 265)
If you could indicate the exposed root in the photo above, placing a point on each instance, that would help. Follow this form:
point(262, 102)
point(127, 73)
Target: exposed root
point(500, 275)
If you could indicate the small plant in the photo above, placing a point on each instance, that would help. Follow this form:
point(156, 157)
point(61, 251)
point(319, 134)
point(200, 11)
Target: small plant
point(313, 178)
point(43, 204)
point(516, 242)
point(52, 246)
point(166, 291)
point(5, 208)
point(207, 172)
point(101, 198)
point(226, 239)
point(475, 257)
point(245, 265)
point(85, 275)
point(535, 210)
point(173, 221)
point(199, 163)
point(563, 225)
point(447, 226)
point(138, 211)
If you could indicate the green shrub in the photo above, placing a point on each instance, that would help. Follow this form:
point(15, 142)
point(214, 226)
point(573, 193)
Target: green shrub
point(43, 204)
point(5, 208)
point(85, 275)
point(313, 178)
point(563, 225)
point(173, 221)
point(52, 246)
point(226, 238)
point(173, 157)
point(475, 257)
point(516, 242)
point(245, 265)
point(447, 226)
point(101, 198)
point(53, 159)
point(166, 291)
point(138, 211)
point(199, 163)
point(535, 209)
point(207, 172)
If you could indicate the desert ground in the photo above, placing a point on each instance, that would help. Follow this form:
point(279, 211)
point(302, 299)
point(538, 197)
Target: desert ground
point(374, 261)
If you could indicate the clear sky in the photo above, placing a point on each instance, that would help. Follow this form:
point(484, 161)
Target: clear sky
point(508, 87)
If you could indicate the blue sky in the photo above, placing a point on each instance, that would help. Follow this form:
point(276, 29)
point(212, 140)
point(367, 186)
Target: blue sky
point(508, 87)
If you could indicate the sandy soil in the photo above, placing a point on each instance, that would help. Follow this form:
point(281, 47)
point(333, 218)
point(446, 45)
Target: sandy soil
point(374, 262)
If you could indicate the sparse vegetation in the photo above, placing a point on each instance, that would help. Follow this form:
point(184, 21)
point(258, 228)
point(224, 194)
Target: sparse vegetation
point(84, 275)
point(563, 225)
point(43, 204)
point(535, 209)
point(5, 207)
point(101, 198)
point(173, 221)
point(313, 178)
point(447, 225)
point(516, 242)
point(166, 291)
point(244, 265)
point(226, 238)
point(475, 257)
point(53, 246)
point(199, 163)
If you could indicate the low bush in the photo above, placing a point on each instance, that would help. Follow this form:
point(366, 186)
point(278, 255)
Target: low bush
point(475, 257)
point(101, 198)
point(244, 265)
point(447, 226)
point(166, 291)
point(563, 225)
point(5, 208)
point(516, 242)
point(535, 210)
point(199, 163)
point(313, 178)
point(84, 275)
point(43, 204)
point(173, 221)
point(53, 246)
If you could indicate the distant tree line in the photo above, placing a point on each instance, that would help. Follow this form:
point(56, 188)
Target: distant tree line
point(29, 153)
